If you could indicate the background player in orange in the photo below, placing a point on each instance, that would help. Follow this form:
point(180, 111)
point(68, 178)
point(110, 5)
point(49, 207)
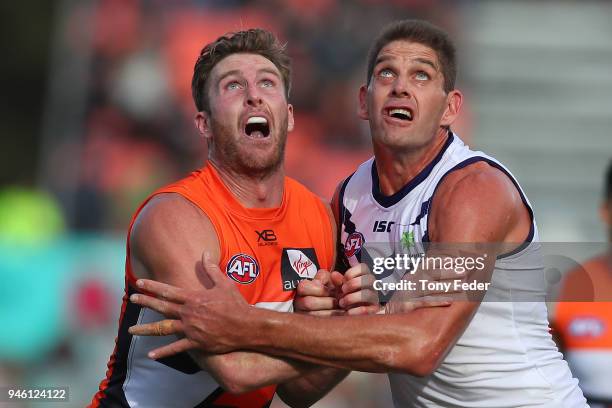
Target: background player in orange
point(248, 218)
point(583, 316)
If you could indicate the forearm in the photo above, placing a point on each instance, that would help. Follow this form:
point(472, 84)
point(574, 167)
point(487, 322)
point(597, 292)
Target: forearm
point(243, 371)
point(308, 389)
point(380, 343)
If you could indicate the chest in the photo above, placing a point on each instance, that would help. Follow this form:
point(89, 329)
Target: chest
point(266, 260)
point(385, 230)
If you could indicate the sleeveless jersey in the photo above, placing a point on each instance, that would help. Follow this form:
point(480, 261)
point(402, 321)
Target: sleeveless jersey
point(506, 356)
point(264, 251)
point(585, 327)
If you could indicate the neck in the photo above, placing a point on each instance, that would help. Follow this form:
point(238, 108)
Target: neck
point(397, 167)
point(253, 191)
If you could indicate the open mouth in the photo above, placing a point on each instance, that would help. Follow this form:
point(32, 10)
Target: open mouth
point(400, 113)
point(257, 127)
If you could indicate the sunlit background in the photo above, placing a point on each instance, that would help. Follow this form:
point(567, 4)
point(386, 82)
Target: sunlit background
point(97, 113)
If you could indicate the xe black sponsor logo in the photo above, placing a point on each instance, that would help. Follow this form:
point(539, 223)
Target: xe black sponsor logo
point(266, 237)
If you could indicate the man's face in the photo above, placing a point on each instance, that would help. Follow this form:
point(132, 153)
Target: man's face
point(249, 114)
point(405, 101)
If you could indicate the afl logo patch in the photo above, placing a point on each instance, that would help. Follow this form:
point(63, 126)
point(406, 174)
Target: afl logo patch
point(242, 268)
point(353, 244)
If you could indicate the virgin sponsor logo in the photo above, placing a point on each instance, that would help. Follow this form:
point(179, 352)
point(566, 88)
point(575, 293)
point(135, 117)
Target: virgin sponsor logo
point(242, 268)
point(301, 264)
point(297, 264)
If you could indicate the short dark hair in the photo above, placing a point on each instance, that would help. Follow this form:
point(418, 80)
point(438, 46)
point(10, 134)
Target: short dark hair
point(421, 32)
point(253, 41)
point(608, 181)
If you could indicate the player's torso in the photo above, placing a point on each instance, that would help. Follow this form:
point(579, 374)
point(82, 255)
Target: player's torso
point(368, 216)
point(389, 225)
point(587, 335)
point(585, 326)
point(265, 252)
point(502, 329)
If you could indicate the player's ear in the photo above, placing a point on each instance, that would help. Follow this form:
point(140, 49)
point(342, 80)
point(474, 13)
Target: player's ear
point(454, 99)
point(290, 119)
point(362, 111)
point(202, 123)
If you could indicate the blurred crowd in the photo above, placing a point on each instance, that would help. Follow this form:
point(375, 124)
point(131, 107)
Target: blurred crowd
point(136, 106)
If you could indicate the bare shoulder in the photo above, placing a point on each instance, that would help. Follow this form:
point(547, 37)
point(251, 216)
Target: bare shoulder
point(478, 203)
point(170, 215)
point(170, 230)
point(477, 182)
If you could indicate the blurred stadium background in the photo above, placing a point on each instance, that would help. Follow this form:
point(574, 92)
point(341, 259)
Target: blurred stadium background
point(97, 113)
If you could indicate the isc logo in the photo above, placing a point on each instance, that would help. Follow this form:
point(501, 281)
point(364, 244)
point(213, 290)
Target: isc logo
point(382, 226)
point(242, 268)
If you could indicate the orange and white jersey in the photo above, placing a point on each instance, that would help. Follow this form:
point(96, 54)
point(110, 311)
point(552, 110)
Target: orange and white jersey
point(583, 320)
point(264, 251)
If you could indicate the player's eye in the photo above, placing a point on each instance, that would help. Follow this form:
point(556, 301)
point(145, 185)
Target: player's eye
point(267, 83)
point(233, 85)
point(422, 76)
point(385, 73)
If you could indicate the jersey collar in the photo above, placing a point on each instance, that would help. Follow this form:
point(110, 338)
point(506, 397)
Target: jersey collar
point(388, 201)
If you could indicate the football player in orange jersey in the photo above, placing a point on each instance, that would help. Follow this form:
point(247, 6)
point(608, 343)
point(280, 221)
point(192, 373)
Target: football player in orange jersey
point(583, 316)
point(248, 218)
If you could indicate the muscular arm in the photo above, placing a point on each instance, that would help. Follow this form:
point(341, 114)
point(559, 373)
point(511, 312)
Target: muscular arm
point(476, 204)
point(166, 244)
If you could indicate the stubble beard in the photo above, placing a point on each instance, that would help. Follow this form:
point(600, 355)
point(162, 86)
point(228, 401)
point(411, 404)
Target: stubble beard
point(229, 153)
point(408, 142)
point(414, 140)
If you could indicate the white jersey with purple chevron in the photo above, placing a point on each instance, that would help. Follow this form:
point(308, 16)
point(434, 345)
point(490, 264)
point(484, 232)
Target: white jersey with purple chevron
point(506, 356)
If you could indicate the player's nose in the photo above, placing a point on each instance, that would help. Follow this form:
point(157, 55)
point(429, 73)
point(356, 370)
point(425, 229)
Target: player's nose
point(400, 87)
point(253, 96)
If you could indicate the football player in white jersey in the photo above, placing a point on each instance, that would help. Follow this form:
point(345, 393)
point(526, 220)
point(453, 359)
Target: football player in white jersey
point(429, 187)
